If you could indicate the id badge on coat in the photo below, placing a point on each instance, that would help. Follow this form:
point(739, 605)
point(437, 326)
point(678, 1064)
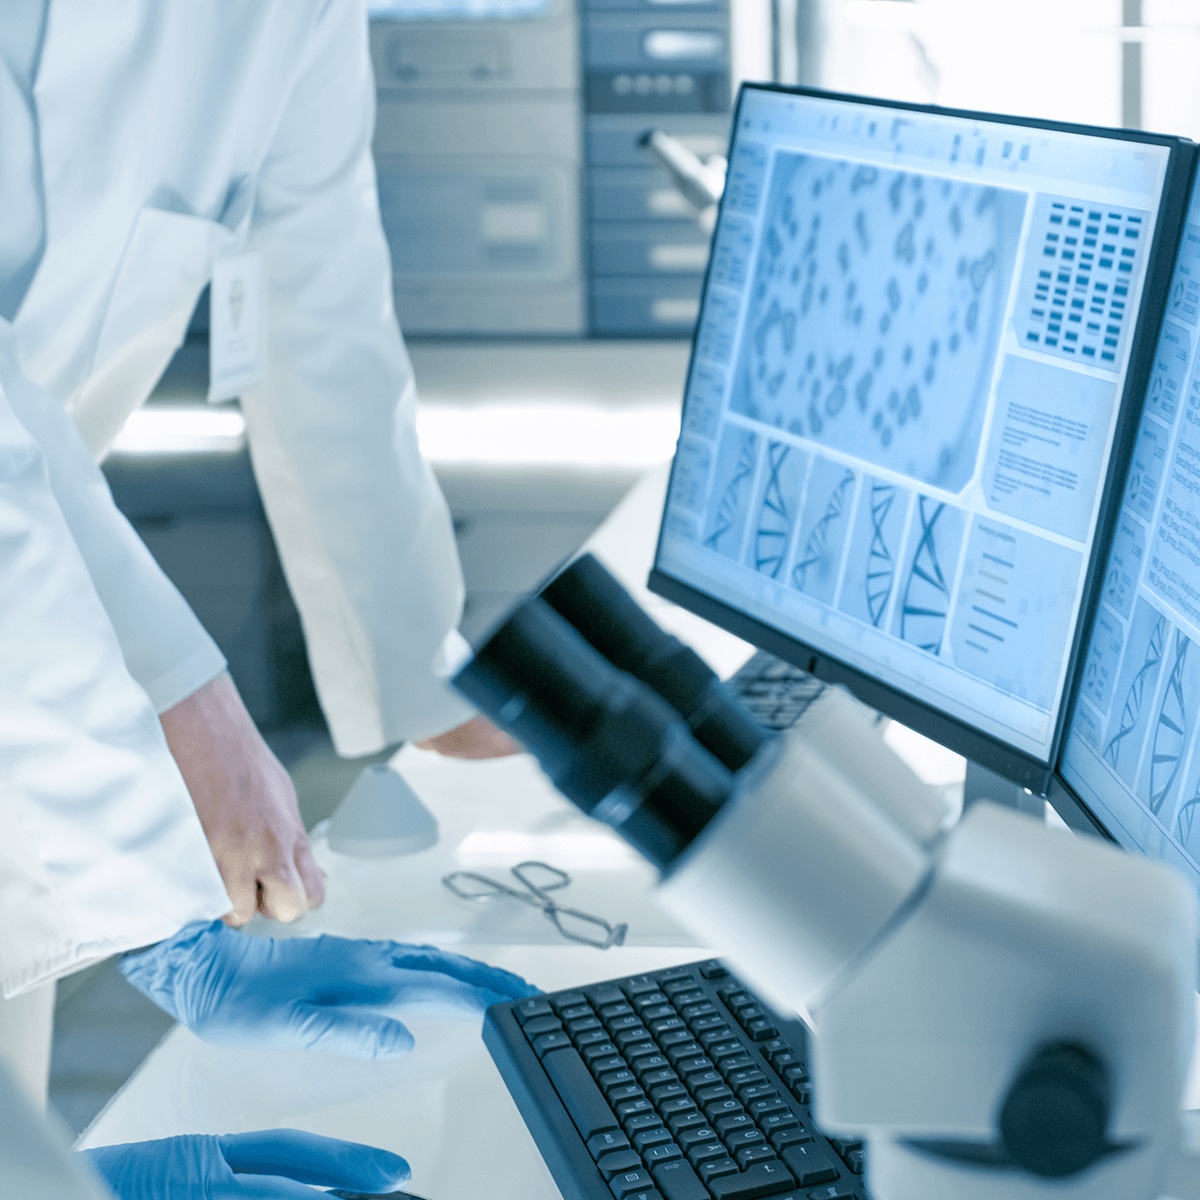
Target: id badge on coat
point(235, 327)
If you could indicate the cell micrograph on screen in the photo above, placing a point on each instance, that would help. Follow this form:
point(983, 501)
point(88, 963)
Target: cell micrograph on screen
point(732, 486)
point(823, 528)
point(1013, 610)
point(1171, 725)
point(927, 574)
point(1077, 287)
point(875, 312)
point(873, 558)
point(1133, 699)
point(776, 507)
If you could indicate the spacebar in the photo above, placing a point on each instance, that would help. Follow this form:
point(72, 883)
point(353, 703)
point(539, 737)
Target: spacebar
point(583, 1099)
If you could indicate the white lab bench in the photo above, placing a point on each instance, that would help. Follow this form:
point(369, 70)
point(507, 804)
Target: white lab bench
point(444, 1107)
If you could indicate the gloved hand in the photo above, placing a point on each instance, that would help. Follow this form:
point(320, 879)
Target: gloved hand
point(275, 1164)
point(319, 993)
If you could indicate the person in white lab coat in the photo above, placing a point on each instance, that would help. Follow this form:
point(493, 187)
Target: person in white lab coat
point(140, 143)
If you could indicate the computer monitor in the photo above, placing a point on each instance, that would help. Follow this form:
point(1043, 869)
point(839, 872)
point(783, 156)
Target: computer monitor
point(904, 401)
point(1132, 748)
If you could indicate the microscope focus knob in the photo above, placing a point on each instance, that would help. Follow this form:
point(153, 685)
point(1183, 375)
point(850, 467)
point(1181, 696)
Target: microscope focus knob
point(1055, 1116)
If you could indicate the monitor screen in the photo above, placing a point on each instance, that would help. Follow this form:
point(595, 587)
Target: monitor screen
point(904, 396)
point(1132, 751)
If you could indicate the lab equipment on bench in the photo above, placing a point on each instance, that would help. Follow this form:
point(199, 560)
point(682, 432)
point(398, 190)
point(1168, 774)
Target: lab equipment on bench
point(538, 880)
point(1001, 1010)
point(380, 817)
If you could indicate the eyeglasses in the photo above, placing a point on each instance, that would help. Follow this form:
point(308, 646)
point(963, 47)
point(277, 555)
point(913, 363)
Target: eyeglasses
point(538, 879)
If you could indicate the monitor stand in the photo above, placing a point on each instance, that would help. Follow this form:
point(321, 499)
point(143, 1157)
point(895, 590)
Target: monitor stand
point(982, 784)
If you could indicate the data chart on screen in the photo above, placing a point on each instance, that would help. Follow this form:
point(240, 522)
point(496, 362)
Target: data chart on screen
point(1133, 751)
point(904, 392)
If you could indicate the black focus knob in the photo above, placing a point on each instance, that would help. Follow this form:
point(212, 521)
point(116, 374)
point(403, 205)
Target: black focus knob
point(1054, 1121)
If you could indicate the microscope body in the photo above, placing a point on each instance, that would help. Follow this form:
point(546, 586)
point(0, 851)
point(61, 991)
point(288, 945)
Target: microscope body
point(934, 960)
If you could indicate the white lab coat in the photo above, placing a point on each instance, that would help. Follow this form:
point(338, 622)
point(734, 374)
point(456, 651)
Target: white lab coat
point(172, 132)
point(100, 847)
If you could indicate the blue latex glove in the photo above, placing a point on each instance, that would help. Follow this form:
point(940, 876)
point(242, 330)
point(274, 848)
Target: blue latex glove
point(320, 993)
point(275, 1164)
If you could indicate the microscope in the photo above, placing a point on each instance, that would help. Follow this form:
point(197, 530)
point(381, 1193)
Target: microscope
point(1001, 1010)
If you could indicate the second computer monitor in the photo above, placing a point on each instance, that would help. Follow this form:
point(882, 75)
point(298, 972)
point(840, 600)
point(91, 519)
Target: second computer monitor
point(905, 398)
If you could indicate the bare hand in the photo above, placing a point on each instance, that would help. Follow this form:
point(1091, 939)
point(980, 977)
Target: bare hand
point(246, 804)
point(476, 738)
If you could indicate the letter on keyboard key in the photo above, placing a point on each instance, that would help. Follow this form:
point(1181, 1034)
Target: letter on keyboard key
point(809, 1163)
point(582, 1098)
point(677, 1181)
point(762, 1179)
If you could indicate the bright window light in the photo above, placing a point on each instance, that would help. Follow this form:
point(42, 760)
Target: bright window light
point(548, 434)
point(182, 430)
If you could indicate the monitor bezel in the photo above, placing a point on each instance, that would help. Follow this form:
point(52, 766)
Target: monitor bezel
point(956, 734)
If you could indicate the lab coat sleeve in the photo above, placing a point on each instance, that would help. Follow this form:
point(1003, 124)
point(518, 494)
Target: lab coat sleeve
point(101, 850)
point(364, 533)
point(166, 649)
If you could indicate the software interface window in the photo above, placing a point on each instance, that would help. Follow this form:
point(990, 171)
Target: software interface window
point(1132, 751)
point(904, 393)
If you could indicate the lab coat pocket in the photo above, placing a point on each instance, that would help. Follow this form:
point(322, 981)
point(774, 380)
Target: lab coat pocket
point(166, 264)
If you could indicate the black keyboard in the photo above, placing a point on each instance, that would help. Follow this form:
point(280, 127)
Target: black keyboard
point(676, 1085)
point(775, 692)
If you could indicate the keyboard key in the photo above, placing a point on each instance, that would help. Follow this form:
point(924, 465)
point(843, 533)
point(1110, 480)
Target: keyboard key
point(712, 1170)
point(648, 1194)
point(697, 1011)
point(640, 1124)
point(704, 1024)
point(605, 1143)
point(713, 969)
point(590, 1038)
point(656, 1012)
point(609, 1013)
point(697, 1136)
point(720, 1043)
point(673, 1107)
point(584, 1025)
point(638, 985)
point(630, 1183)
point(810, 1164)
point(649, 1138)
point(604, 993)
point(719, 1108)
point(758, 1091)
point(795, 1135)
point(621, 1162)
point(574, 1012)
point(739, 1062)
point(537, 1025)
point(795, 1075)
point(776, 1046)
point(715, 1093)
point(613, 1079)
point(628, 1039)
point(628, 1109)
point(551, 1041)
point(856, 1160)
point(629, 1021)
point(648, 1063)
point(736, 1079)
point(648, 1000)
point(761, 1029)
point(674, 975)
point(748, 1137)
point(583, 1099)
point(748, 1012)
point(667, 1152)
point(733, 1123)
point(603, 1065)
point(535, 1006)
point(597, 1050)
point(678, 1181)
point(703, 1079)
point(667, 1091)
point(686, 1122)
point(762, 1179)
point(663, 1075)
point(667, 1025)
point(702, 1152)
point(832, 1191)
point(629, 1091)
point(568, 1000)
point(763, 1110)
point(679, 1051)
point(747, 1156)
